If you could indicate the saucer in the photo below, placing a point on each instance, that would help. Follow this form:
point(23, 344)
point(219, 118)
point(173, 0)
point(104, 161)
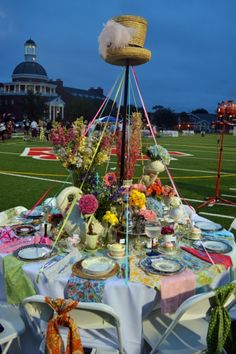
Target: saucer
point(115, 257)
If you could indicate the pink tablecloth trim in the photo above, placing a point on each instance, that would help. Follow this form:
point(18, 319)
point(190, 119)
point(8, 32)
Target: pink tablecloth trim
point(9, 247)
point(176, 289)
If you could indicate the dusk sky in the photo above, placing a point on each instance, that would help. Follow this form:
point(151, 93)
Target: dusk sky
point(193, 44)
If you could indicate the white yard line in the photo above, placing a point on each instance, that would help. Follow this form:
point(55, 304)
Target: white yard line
point(219, 215)
point(232, 189)
point(202, 201)
point(228, 195)
point(31, 177)
point(9, 153)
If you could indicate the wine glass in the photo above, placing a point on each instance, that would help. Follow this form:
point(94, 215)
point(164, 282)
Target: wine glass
point(152, 230)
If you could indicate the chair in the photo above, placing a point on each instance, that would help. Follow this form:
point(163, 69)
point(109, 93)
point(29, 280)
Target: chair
point(13, 327)
point(88, 317)
point(233, 225)
point(185, 331)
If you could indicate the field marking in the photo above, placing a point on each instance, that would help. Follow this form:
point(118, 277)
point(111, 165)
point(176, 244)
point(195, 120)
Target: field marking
point(219, 215)
point(9, 153)
point(228, 195)
point(32, 177)
point(202, 201)
point(232, 189)
point(188, 169)
point(33, 173)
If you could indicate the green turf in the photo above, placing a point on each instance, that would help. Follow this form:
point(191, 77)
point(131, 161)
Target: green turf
point(194, 175)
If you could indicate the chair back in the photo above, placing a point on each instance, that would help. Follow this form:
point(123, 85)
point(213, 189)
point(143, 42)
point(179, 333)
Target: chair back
point(233, 225)
point(86, 315)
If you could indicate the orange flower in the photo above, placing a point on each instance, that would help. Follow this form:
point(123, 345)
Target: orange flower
point(154, 189)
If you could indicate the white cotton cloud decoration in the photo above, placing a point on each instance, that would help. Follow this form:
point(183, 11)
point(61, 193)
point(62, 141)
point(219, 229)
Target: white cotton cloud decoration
point(114, 35)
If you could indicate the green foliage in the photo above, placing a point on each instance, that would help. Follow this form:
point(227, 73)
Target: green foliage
point(164, 117)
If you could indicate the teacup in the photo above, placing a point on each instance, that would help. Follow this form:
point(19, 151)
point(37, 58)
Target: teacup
point(116, 249)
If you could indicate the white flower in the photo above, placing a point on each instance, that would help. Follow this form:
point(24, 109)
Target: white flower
point(175, 202)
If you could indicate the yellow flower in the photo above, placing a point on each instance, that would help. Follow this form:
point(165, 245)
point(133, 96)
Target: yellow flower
point(137, 199)
point(110, 218)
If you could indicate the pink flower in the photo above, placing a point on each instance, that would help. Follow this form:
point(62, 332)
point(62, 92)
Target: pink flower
point(167, 230)
point(139, 186)
point(168, 191)
point(88, 204)
point(149, 215)
point(110, 179)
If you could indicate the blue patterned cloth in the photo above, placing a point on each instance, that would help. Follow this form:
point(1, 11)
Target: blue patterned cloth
point(84, 290)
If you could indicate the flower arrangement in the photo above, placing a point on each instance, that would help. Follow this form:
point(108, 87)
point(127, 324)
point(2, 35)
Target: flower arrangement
point(168, 191)
point(110, 218)
point(88, 204)
point(133, 145)
point(167, 230)
point(77, 152)
point(149, 215)
point(155, 189)
point(175, 202)
point(137, 199)
point(157, 152)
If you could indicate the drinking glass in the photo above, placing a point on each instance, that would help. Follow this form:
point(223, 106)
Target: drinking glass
point(152, 230)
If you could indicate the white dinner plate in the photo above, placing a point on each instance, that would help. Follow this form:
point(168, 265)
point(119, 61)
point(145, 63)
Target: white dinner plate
point(33, 253)
point(166, 265)
point(208, 226)
point(214, 246)
point(97, 265)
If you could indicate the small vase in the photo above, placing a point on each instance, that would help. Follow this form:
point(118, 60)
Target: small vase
point(127, 183)
point(154, 167)
point(91, 241)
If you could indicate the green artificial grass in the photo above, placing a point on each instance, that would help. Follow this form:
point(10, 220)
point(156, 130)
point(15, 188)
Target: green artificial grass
point(194, 175)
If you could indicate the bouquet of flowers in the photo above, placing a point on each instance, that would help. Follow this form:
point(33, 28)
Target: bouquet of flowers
point(79, 153)
point(157, 152)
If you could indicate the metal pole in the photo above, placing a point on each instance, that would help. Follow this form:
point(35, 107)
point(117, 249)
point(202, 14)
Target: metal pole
point(123, 141)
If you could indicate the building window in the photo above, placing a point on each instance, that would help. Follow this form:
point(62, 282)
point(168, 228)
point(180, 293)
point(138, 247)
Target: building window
point(22, 87)
point(12, 88)
point(12, 102)
point(37, 88)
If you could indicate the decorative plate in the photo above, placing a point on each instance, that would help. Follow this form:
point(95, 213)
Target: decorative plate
point(208, 226)
point(78, 270)
point(34, 252)
point(161, 265)
point(213, 246)
point(23, 230)
point(97, 265)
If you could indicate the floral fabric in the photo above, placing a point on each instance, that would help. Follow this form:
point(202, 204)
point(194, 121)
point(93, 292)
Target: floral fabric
point(84, 290)
point(54, 342)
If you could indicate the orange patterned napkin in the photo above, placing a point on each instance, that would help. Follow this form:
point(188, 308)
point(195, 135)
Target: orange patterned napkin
point(54, 341)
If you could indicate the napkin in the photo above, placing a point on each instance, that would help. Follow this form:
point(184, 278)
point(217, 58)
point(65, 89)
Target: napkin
point(216, 257)
point(17, 284)
point(176, 289)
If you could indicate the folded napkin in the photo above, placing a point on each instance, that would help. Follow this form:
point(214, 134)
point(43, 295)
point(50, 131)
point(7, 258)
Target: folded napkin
point(7, 234)
point(17, 285)
point(176, 289)
point(216, 257)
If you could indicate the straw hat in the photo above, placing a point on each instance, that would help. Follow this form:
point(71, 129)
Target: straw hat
point(134, 53)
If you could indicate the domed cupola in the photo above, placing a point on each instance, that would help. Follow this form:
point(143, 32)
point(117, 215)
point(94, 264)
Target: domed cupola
point(29, 70)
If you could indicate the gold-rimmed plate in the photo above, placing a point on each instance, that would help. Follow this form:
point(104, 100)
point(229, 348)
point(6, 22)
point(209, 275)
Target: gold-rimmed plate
point(79, 271)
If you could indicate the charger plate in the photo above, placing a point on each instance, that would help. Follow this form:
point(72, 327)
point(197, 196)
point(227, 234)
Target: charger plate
point(79, 271)
point(213, 246)
point(161, 265)
point(208, 226)
point(23, 229)
point(34, 252)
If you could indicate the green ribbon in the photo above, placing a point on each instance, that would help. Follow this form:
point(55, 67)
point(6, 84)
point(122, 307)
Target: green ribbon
point(219, 330)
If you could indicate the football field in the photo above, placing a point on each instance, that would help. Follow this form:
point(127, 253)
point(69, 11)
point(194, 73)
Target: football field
point(25, 174)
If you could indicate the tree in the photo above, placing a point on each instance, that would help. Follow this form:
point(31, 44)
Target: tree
point(33, 105)
point(199, 110)
point(164, 117)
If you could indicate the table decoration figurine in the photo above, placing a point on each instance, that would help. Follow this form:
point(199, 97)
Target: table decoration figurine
point(169, 239)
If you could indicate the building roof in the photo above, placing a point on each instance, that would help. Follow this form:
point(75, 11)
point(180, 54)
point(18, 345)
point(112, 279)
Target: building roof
point(30, 42)
point(31, 68)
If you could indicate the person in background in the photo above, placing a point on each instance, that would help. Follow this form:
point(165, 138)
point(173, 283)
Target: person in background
point(48, 129)
point(2, 129)
point(26, 125)
point(34, 129)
